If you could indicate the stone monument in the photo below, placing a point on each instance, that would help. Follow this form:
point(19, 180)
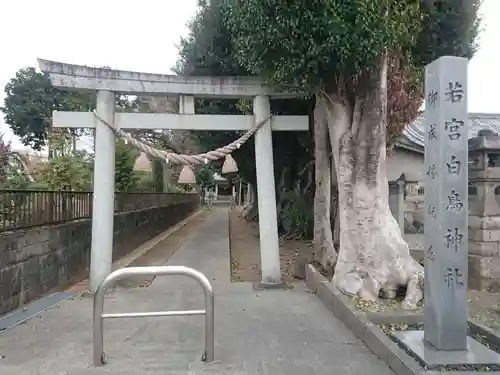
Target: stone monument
point(445, 340)
point(446, 202)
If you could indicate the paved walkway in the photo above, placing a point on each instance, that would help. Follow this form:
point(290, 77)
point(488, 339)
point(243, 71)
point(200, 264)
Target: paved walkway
point(271, 332)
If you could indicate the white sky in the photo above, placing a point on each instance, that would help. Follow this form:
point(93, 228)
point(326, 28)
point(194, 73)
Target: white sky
point(143, 36)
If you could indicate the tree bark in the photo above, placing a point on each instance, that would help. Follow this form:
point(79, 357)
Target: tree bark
point(251, 210)
point(280, 192)
point(323, 238)
point(334, 207)
point(373, 255)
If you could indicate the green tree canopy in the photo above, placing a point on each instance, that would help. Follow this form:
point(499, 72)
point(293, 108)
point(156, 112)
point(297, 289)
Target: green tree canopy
point(319, 44)
point(30, 99)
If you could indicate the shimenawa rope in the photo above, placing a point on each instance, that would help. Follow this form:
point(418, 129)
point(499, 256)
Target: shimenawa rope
point(183, 158)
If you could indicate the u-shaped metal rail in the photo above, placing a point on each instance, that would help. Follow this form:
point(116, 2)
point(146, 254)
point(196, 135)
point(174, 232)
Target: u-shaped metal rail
point(110, 281)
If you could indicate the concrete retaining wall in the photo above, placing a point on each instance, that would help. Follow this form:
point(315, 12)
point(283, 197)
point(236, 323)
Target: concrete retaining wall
point(36, 261)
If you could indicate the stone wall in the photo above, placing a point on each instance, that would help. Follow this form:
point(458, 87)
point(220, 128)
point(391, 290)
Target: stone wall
point(36, 261)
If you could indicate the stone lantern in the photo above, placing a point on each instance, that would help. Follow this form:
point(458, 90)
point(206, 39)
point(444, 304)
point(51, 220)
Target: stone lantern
point(484, 211)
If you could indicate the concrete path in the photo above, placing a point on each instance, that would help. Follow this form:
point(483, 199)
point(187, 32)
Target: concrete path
point(271, 332)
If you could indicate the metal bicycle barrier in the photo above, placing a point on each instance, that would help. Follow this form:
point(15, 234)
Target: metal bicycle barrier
point(99, 315)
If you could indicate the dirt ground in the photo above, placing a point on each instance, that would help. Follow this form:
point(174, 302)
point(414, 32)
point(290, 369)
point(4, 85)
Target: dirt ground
point(484, 307)
point(245, 252)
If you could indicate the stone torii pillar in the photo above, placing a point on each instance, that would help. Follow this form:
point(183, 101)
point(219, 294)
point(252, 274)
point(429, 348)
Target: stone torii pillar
point(108, 83)
point(266, 193)
point(101, 250)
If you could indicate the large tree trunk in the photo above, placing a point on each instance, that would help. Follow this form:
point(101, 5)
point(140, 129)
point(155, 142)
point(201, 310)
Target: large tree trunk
point(373, 255)
point(323, 239)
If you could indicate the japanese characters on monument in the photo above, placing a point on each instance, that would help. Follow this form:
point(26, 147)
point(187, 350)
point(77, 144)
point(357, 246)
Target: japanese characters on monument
point(446, 202)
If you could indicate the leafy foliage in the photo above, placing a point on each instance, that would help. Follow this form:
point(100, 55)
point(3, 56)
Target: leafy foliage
point(125, 177)
point(17, 179)
point(67, 172)
point(68, 169)
point(5, 151)
point(205, 176)
point(314, 44)
point(207, 51)
point(12, 168)
point(296, 217)
point(330, 44)
point(157, 175)
point(146, 182)
point(29, 101)
point(449, 27)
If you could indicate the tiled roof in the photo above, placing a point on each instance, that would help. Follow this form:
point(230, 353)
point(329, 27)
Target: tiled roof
point(416, 130)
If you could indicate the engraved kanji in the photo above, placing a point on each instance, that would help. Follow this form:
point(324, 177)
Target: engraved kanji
point(431, 254)
point(455, 92)
point(453, 128)
point(454, 165)
point(454, 277)
point(454, 202)
point(432, 171)
point(453, 238)
point(432, 98)
point(431, 210)
point(431, 134)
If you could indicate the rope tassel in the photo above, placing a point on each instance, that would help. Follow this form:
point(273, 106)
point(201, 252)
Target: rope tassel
point(229, 165)
point(187, 177)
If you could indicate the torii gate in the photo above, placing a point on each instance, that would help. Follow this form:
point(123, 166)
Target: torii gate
point(108, 83)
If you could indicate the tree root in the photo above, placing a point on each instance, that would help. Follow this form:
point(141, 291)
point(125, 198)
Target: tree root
point(370, 286)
